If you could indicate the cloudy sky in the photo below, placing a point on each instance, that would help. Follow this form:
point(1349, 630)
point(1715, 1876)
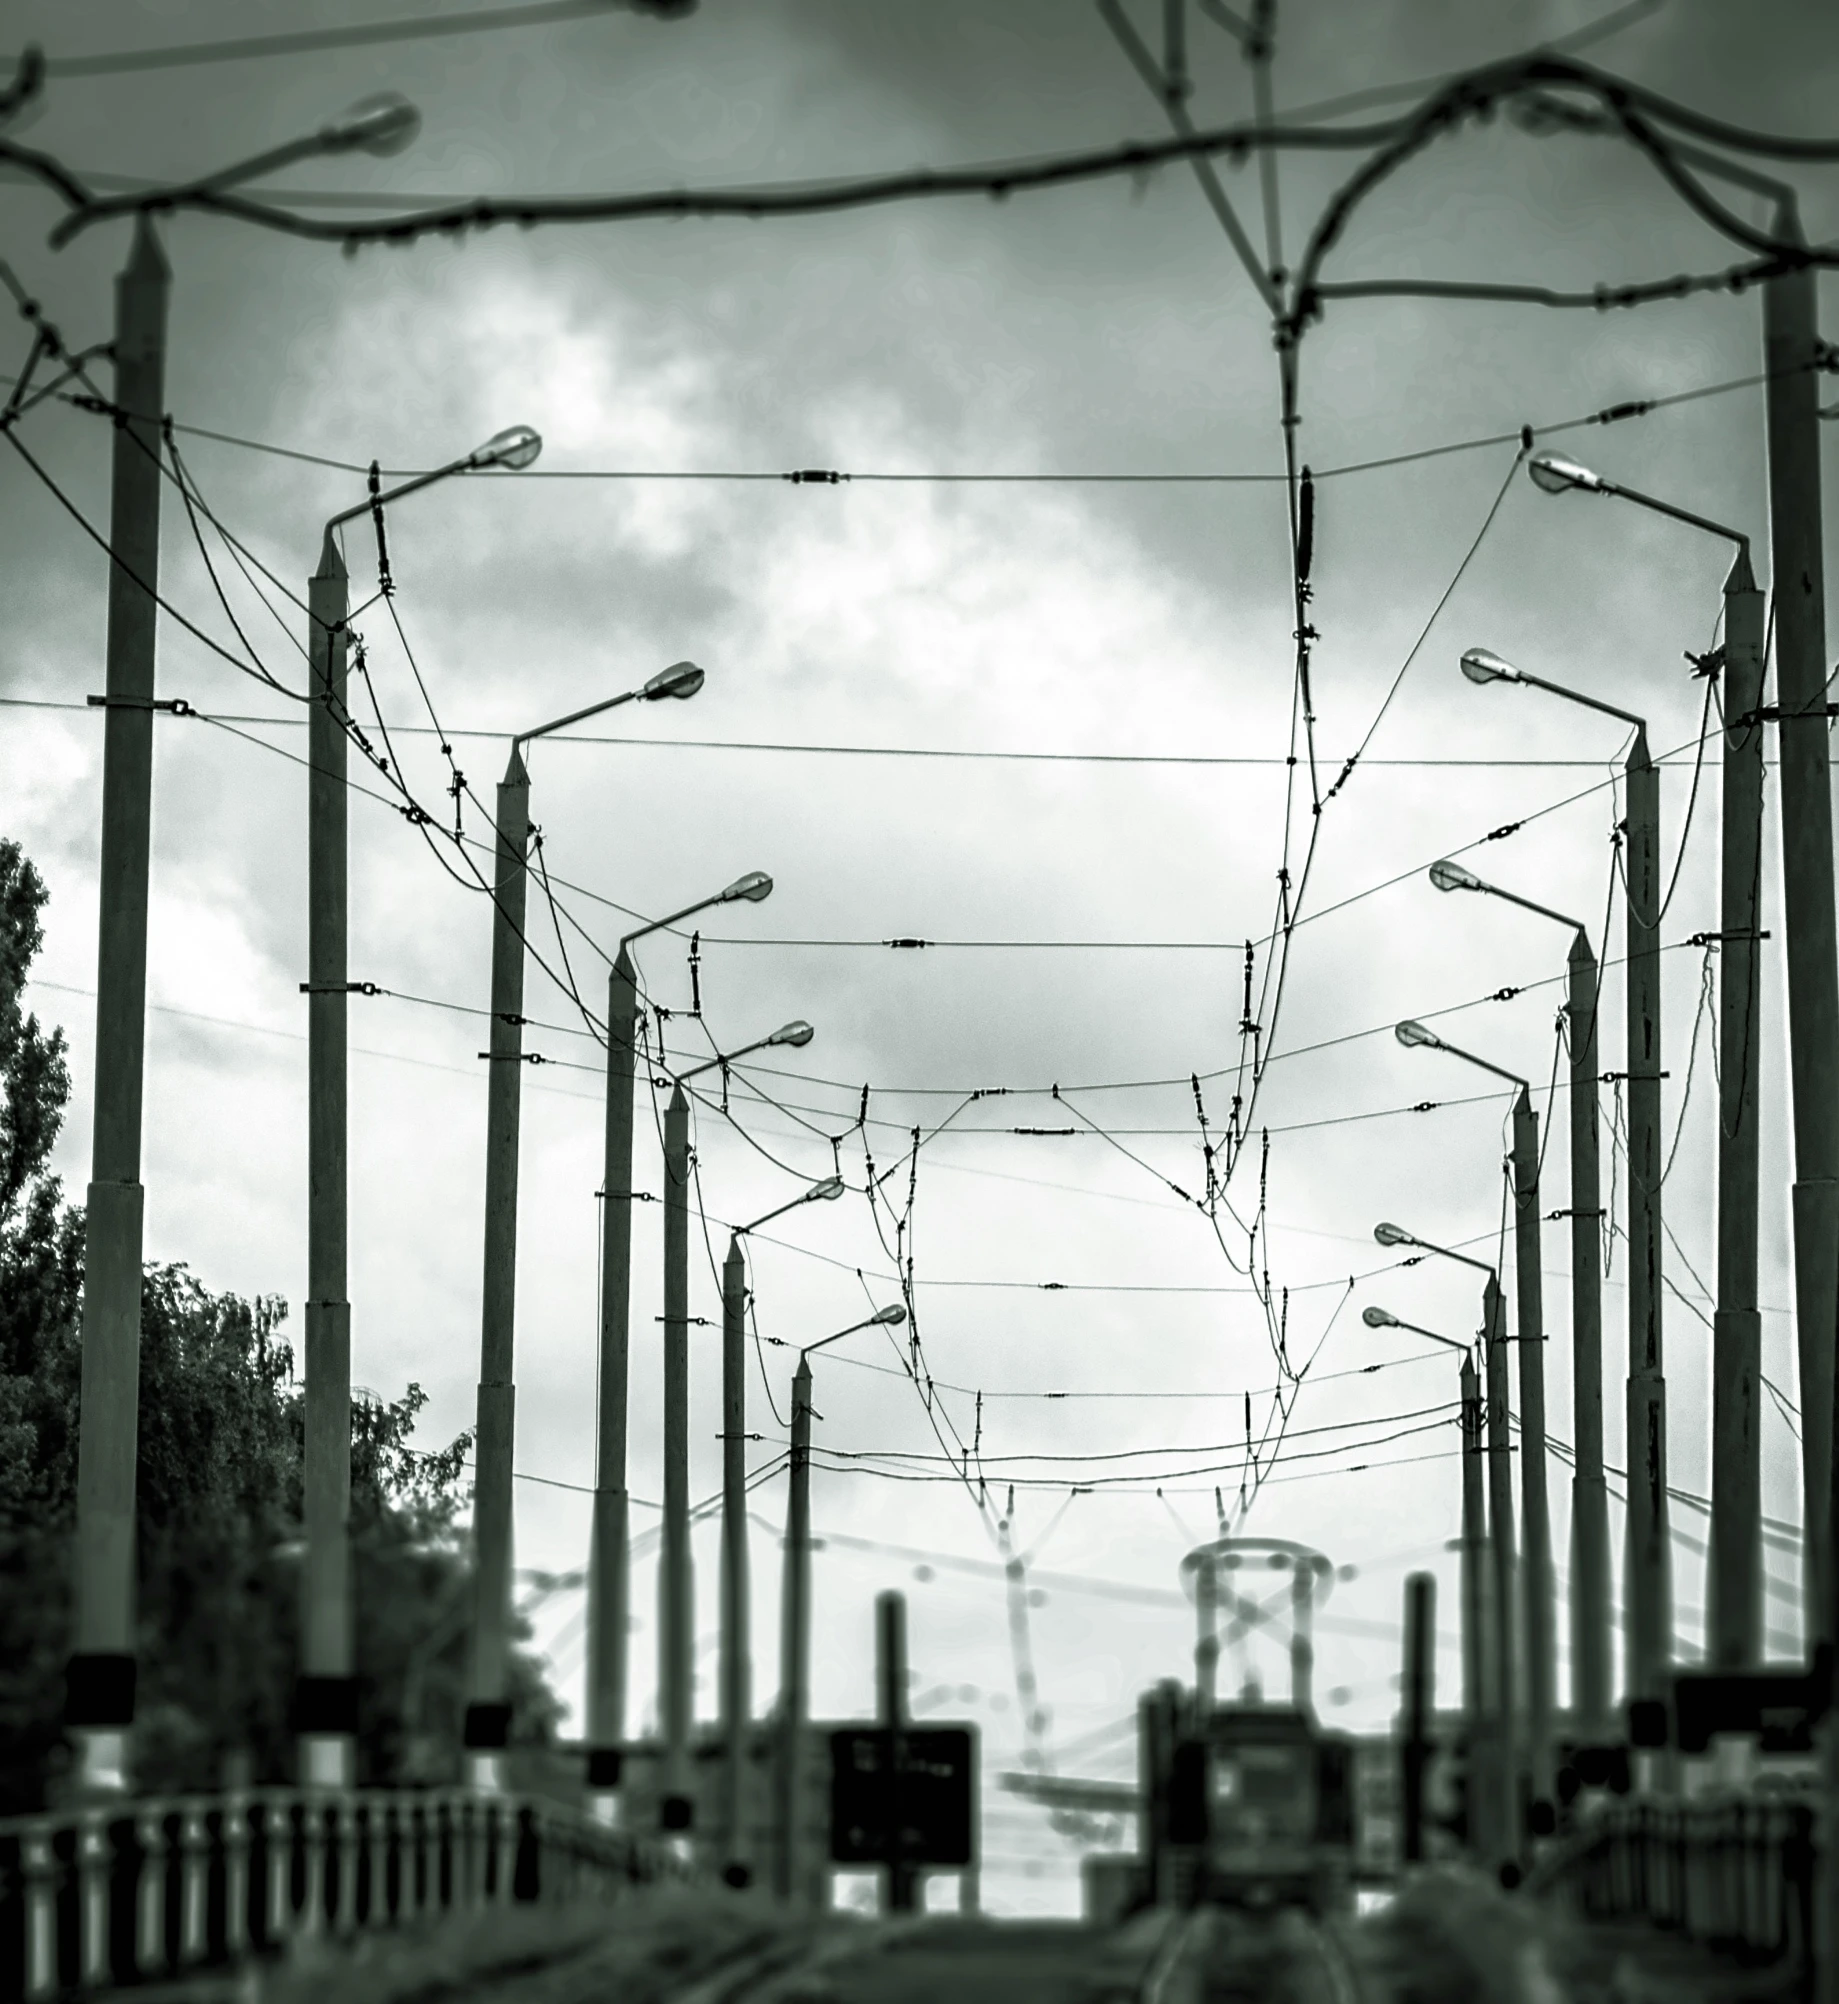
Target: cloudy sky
point(871, 647)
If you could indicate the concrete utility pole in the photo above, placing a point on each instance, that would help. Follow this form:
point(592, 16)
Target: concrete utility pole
point(1420, 1707)
point(609, 1588)
point(794, 1645)
point(676, 1587)
point(1735, 1622)
point(1592, 1574)
point(325, 1698)
point(1480, 1686)
point(1791, 347)
point(891, 1655)
point(737, 1653)
point(1650, 1554)
point(1501, 1544)
point(1535, 1515)
point(99, 1693)
point(488, 1710)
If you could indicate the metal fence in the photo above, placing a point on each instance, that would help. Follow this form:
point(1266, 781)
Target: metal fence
point(146, 1890)
point(1735, 1875)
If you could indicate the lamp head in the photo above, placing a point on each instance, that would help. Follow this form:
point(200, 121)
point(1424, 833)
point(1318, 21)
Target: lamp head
point(1448, 876)
point(681, 679)
point(1393, 1235)
point(892, 1314)
point(379, 125)
point(512, 450)
point(753, 887)
point(797, 1034)
point(1380, 1318)
point(1412, 1034)
point(1480, 664)
point(1555, 474)
point(826, 1191)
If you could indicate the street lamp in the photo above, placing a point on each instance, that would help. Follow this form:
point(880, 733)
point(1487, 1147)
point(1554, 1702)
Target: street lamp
point(1734, 1639)
point(1735, 1624)
point(608, 1562)
point(736, 1656)
point(1591, 1577)
point(487, 1709)
point(381, 125)
point(795, 1610)
point(797, 1034)
point(1500, 1513)
point(1535, 1514)
point(1650, 1561)
point(1477, 1667)
point(325, 1703)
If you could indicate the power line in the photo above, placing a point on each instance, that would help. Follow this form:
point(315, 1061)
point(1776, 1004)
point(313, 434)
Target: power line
point(309, 41)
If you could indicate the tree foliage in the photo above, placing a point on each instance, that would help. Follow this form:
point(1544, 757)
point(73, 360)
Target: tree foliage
point(218, 1498)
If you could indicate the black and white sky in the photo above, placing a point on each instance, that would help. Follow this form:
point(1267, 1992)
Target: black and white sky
point(1091, 907)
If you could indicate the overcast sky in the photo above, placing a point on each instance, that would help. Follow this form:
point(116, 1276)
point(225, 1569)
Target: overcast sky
point(1101, 329)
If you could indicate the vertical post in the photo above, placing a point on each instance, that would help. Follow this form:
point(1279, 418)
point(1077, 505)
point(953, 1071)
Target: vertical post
point(1535, 1513)
point(794, 1644)
point(891, 1667)
point(1790, 308)
point(1420, 1688)
point(737, 1657)
point(1790, 318)
point(325, 1696)
point(1735, 1586)
point(1206, 1633)
point(1480, 1704)
point(676, 1592)
point(1650, 1558)
point(99, 1701)
point(609, 1593)
point(488, 1710)
point(1591, 1574)
point(1501, 1550)
point(1302, 1636)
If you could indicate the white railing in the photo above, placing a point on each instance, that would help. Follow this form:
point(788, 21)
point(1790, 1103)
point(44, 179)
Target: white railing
point(146, 1890)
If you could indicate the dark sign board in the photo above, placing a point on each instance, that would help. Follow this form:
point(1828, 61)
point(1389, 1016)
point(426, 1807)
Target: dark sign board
point(928, 1801)
point(1779, 1706)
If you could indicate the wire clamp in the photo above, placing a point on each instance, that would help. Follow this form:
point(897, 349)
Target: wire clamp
point(515, 1057)
point(819, 476)
point(175, 706)
point(908, 943)
point(340, 988)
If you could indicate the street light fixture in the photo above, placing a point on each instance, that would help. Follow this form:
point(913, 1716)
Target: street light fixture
point(795, 1614)
point(1500, 1507)
point(325, 1694)
point(609, 1566)
point(380, 125)
point(1535, 1513)
point(1734, 1641)
point(752, 888)
point(736, 1655)
point(487, 1711)
point(1480, 1690)
point(796, 1034)
point(1649, 1595)
point(1590, 1596)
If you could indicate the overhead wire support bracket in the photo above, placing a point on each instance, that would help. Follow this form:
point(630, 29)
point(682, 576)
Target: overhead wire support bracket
point(175, 706)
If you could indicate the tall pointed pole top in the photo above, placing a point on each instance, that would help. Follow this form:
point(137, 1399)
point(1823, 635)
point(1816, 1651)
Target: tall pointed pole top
point(331, 557)
point(679, 1104)
point(736, 1258)
point(516, 773)
point(147, 257)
